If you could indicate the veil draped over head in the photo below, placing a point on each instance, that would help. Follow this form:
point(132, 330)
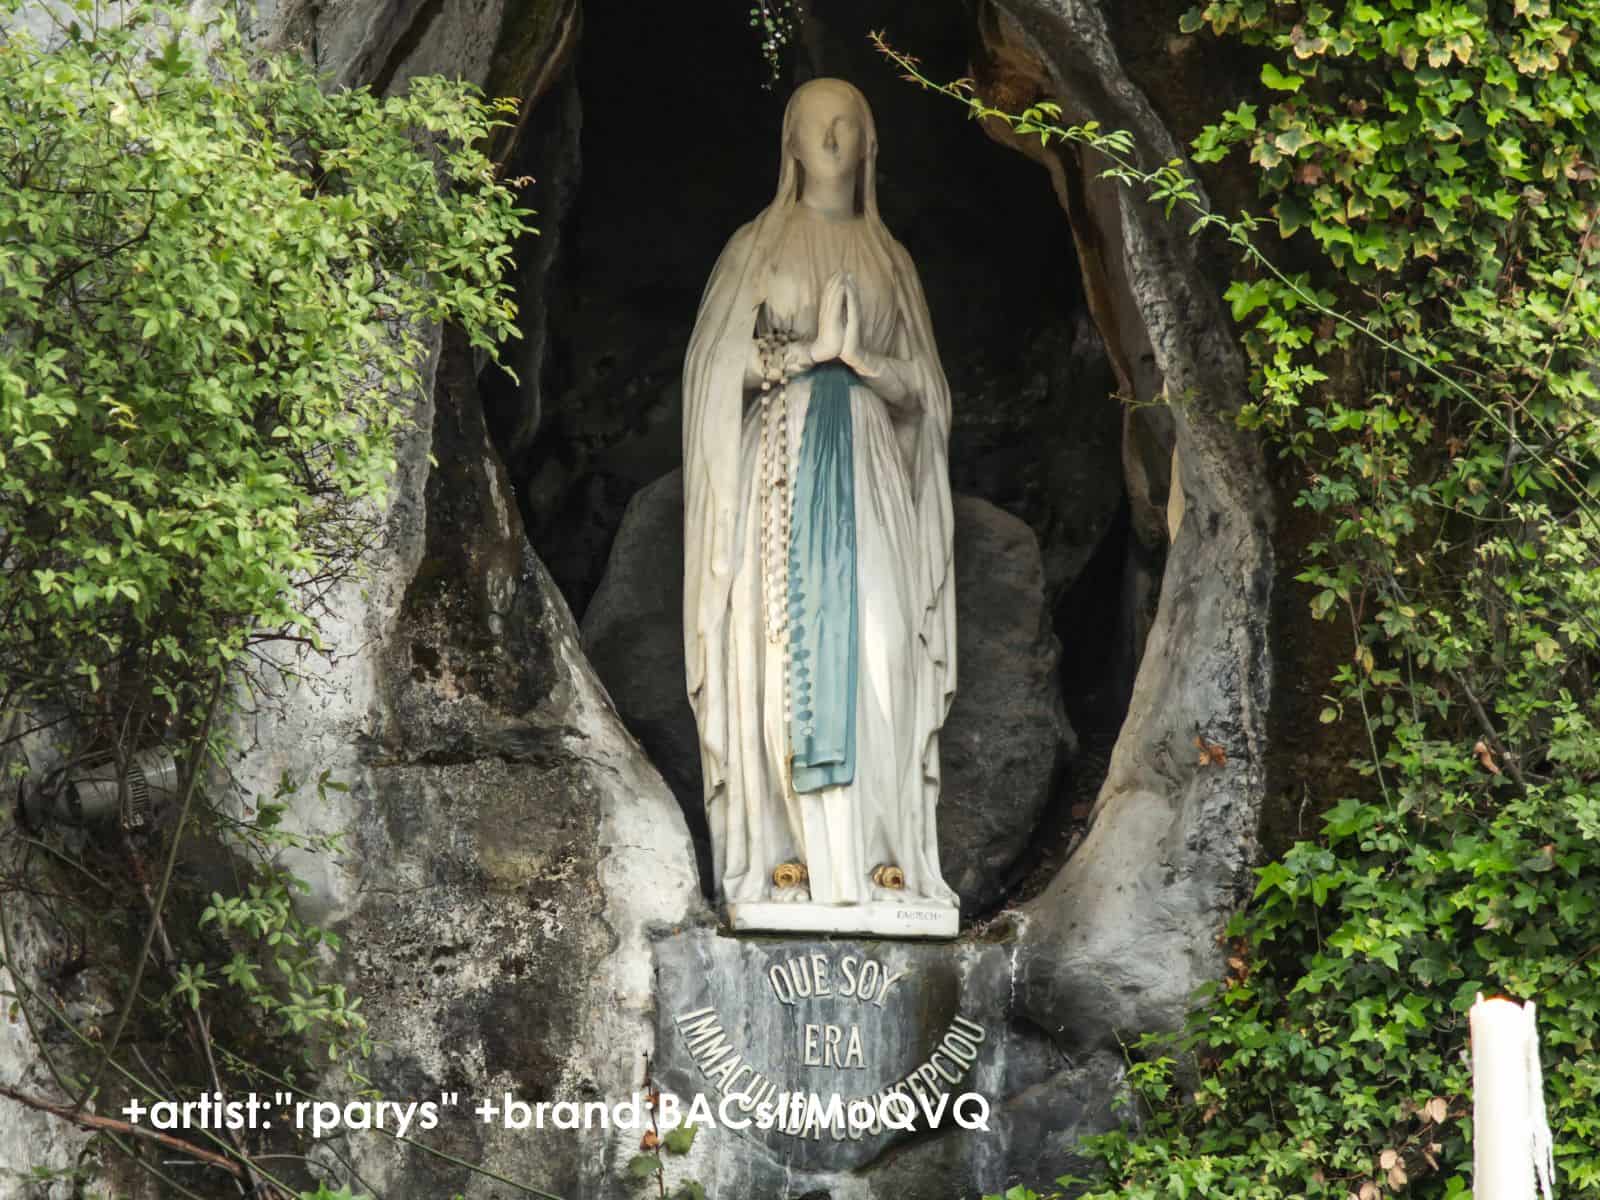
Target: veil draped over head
point(713, 403)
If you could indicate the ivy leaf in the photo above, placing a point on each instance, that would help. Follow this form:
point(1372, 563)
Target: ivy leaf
point(1292, 213)
point(1245, 298)
point(680, 1139)
point(1280, 82)
point(1292, 139)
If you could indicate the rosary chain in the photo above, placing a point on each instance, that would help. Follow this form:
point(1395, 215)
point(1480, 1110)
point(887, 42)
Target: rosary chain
point(777, 485)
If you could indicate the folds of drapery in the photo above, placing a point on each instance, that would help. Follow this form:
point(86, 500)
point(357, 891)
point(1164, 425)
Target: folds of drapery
point(713, 403)
point(823, 629)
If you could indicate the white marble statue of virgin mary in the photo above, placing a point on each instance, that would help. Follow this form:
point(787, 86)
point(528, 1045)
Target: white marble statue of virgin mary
point(819, 607)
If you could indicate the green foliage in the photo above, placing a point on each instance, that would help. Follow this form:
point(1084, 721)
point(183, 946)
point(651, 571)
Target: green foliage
point(44, 1182)
point(680, 1139)
point(775, 21)
point(276, 961)
point(1021, 1192)
point(324, 1193)
point(1432, 376)
point(1440, 157)
point(650, 1166)
point(216, 287)
point(212, 286)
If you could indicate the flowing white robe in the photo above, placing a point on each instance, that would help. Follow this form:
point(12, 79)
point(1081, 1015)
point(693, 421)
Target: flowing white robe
point(905, 603)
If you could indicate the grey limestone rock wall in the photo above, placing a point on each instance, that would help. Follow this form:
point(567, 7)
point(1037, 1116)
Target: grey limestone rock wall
point(1130, 926)
point(511, 851)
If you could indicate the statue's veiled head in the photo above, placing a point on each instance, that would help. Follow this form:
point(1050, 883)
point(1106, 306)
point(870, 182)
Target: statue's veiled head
point(828, 134)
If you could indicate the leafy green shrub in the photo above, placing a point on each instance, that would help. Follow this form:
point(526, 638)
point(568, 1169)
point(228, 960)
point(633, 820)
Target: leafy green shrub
point(1434, 379)
point(1441, 157)
point(213, 284)
point(217, 282)
point(277, 967)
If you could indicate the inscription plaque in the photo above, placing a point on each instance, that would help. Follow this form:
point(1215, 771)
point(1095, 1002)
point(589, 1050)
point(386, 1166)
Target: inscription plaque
point(750, 1022)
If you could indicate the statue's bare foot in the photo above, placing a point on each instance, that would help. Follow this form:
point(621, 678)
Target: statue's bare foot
point(888, 883)
point(791, 882)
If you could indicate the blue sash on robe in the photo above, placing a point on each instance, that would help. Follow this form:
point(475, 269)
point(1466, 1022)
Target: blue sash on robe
point(822, 589)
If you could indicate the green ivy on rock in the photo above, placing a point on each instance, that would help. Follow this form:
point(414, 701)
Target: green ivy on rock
point(1435, 379)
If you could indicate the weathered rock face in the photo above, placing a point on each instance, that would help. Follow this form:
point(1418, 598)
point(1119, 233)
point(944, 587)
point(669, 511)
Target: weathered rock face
point(1006, 738)
point(38, 954)
point(512, 850)
point(1130, 925)
point(633, 636)
point(1003, 742)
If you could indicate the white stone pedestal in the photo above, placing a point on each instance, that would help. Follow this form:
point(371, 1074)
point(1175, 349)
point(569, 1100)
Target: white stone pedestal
point(880, 918)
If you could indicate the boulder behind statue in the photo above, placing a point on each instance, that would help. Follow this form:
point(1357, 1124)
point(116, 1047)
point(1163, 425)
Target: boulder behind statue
point(1001, 748)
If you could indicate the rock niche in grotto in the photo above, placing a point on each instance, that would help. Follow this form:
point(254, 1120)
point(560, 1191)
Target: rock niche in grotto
point(551, 963)
point(1002, 748)
point(525, 905)
point(1069, 528)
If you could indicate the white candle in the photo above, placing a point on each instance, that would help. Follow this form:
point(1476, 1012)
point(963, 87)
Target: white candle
point(1510, 1141)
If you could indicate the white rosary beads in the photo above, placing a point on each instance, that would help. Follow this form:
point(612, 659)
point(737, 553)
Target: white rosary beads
point(777, 485)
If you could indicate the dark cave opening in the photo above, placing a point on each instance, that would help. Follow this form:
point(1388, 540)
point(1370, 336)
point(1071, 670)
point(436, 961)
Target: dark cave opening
point(659, 143)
